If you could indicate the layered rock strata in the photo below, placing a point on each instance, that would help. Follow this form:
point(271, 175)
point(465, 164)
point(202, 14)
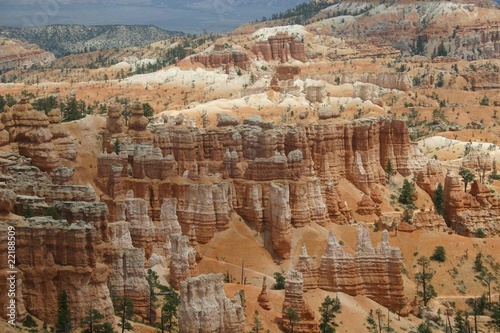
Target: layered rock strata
point(466, 213)
point(282, 47)
point(217, 59)
point(53, 256)
point(205, 308)
point(263, 298)
point(372, 271)
point(74, 250)
point(30, 130)
point(307, 161)
point(294, 300)
point(65, 143)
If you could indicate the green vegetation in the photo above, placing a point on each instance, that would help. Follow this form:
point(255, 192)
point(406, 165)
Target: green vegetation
point(280, 281)
point(467, 177)
point(439, 254)
point(29, 322)
point(45, 104)
point(125, 309)
point(438, 199)
point(63, 324)
point(328, 309)
point(257, 323)
point(169, 310)
point(426, 291)
point(93, 323)
point(301, 13)
point(293, 317)
point(406, 193)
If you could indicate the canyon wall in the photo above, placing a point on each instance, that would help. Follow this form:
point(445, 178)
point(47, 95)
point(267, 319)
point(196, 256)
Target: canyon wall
point(205, 308)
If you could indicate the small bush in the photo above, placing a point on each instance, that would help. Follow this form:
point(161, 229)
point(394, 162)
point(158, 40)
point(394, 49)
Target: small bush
point(480, 233)
point(439, 254)
point(280, 281)
point(29, 322)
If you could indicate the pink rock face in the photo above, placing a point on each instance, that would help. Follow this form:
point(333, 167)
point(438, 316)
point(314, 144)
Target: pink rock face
point(205, 308)
point(280, 47)
point(30, 130)
point(263, 298)
point(308, 160)
point(53, 256)
point(309, 269)
point(294, 300)
point(137, 125)
point(466, 213)
point(374, 272)
point(367, 207)
point(279, 215)
point(217, 59)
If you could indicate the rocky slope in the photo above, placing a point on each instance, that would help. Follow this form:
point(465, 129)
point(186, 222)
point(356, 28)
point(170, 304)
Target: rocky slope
point(16, 54)
point(64, 39)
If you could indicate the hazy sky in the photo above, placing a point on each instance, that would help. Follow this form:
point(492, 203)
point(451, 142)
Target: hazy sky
point(188, 16)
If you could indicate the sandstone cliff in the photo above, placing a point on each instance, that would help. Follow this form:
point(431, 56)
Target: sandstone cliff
point(282, 47)
point(372, 271)
point(205, 308)
point(294, 300)
point(15, 54)
point(466, 213)
point(303, 159)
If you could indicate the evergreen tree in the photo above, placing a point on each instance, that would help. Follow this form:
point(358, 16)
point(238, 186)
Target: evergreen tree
point(169, 310)
point(257, 323)
point(93, 324)
point(461, 326)
point(149, 112)
point(406, 193)
point(125, 309)
point(153, 283)
point(424, 277)
point(495, 317)
point(328, 309)
point(438, 199)
point(478, 262)
point(116, 146)
point(63, 324)
point(280, 281)
point(494, 173)
point(389, 170)
point(292, 316)
point(467, 177)
point(3, 102)
point(371, 323)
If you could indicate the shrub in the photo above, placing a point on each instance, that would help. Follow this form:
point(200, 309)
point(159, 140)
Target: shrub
point(280, 281)
point(439, 254)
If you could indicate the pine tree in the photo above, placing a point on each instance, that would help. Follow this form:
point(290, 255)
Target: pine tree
point(125, 309)
point(93, 324)
point(495, 317)
point(169, 310)
point(280, 281)
point(371, 323)
point(257, 323)
point(460, 324)
point(153, 283)
point(467, 177)
point(63, 324)
point(292, 316)
point(406, 193)
point(389, 170)
point(424, 278)
point(328, 309)
point(438, 199)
